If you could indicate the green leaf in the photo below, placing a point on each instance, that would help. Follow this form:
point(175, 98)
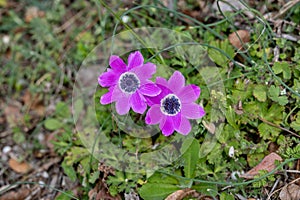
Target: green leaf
point(157, 191)
point(274, 95)
point(62, 110)
point(190, 149)
point(296, 124)
point(64, 196)
point(219, 57)
point(69, 170)
point(268, 132)
point(52, 124)
point(260, 93)
point(206, 189)
point(225, 196)
point(282, 67)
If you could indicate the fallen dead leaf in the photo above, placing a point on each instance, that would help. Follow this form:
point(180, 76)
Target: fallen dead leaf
point(268, 164)
point(187, 192)
point(34, 103)
point(12, 112)
point(209, 126)
point(290, 192)
point(22, 193)
point(19, 167)
point(239, 38)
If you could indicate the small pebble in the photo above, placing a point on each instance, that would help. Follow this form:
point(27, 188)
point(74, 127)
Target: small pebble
point(6, 149)
point(45, 174)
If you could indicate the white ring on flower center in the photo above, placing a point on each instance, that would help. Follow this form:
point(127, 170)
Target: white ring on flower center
point(129, 82)
point(170, 105)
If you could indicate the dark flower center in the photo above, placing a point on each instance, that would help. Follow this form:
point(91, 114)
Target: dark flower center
point(129, 82)
point(170, 105)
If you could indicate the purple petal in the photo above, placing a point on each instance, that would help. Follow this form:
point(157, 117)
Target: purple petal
point(185, 126)
point(161, 81)
point(189, 94)
point(108, 79)
point(154, 115)
point(135, 59)
point(137, 103)
point(122, 105)
point(117, 63)
point(156, 99)
point(150, 89)
point(176, 81)
point(167, 128)
point(145, 71)
point(176, 121)
point(107, 97)
point(192, 111)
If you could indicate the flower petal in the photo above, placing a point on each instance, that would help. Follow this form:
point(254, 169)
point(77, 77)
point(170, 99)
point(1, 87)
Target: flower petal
point(149, 89)
point(145, 71)
point(176, 121)
point(117, 63)
point(107, 97)
point(137, 103)
point(156, 99)
point(189, 93)
point(161, 81)
point(122, 105)
point(176, 81)
point(185, 126)
point(108, 79)
point(167, 128)
point(154, 115)
point(192, 111)
point(135, 59)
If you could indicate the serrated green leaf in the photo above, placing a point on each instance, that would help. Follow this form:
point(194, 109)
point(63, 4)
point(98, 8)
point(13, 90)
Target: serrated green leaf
point(260, 93)
point(219, 57)
point(69, 171)
point(52, 124)
point(274, 95)
point(296, 124)
point(190, 149)
point(282, 67)
point(268, 132)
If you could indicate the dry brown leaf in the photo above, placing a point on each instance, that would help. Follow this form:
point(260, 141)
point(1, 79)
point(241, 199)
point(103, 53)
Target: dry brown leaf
point(290, 192)
point(268, 164)
point(34, 103)
point(19, 167)
point(12, 112)
point(235, 41)
point(181, 194)
point(22, 193)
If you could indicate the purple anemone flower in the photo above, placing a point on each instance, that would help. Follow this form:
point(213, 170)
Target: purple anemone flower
point(174, 106)
point(128, 85)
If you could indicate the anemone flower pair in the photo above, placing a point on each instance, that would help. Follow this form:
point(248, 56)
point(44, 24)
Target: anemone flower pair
point(128, 84)
point(171, 102)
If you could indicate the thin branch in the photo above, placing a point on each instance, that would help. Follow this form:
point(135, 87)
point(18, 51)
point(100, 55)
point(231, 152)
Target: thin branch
point(277, 126)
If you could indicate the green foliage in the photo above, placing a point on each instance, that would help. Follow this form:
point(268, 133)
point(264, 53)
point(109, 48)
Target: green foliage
point(296, 123)
point(274, 93)
point(284, 68)
point(222, 53)
point(162, 184)
point(190, 156)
